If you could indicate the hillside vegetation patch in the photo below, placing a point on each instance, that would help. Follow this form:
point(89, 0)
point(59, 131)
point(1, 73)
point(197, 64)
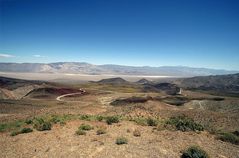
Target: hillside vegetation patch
point(152, 122)
point(41, 125)
point(229, 137)
point(11, 126)
point(194, 152)
point(24, 130)
point(121, 140)
point(183, 123)
point(112, 119)
point(86, 127)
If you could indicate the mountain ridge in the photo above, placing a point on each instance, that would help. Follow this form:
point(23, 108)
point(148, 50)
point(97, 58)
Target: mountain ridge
point(215, 84)
point(87, 68)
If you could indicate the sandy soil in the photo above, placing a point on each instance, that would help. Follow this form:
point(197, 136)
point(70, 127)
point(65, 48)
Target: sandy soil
point(62, 141)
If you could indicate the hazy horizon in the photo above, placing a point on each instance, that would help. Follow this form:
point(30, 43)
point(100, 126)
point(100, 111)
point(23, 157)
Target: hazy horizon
point(183, 66)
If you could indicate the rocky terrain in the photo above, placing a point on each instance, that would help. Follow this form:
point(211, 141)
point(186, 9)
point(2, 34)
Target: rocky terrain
point(115, 118)
point(16, 89)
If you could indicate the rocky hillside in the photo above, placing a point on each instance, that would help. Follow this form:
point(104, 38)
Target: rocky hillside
point(50, 92)
point(13, 83)
point(11, 88)
point(116, 80)
point(221, 84)
point(168, 88)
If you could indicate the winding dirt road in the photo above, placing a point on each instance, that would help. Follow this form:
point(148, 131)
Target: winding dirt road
point(59, 98)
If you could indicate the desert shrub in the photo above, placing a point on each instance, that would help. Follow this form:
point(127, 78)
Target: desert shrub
point(101, 131)
point(26, 130)
point(152, 122)
point(183, 123)
point(41, 125)
point(3, 127)
point(194, 152)
point(56, 119)
point(137, 133)
point(140, 121)
point(28, 121)
point(112, 119)
point(236, 132)
point(85, 117)
point(121, 140)
point(11, 125)
point(99, 118)
point(85, 127)
point(14, 133)
point(229, 137)
point(61, 119)
point(80, 132)
point(18, 123)
point(91, 117)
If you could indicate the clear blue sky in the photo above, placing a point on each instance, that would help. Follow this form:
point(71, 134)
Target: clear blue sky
point(196, 33)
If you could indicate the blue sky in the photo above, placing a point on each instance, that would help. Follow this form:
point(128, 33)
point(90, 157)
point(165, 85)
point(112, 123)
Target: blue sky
point(196, 33)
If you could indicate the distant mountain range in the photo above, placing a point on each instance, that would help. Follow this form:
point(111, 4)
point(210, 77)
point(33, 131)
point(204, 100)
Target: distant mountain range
point(86, 68)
